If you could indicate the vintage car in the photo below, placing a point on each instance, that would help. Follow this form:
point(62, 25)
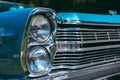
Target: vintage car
point(88, 40)
point(27, 41)
point(88, 45)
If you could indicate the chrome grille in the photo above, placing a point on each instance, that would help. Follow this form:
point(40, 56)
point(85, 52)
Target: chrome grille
point(81, 34)
point(87, 45)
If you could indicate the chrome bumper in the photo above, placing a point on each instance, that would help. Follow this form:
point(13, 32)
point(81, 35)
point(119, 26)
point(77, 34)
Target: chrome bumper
point(84, 74)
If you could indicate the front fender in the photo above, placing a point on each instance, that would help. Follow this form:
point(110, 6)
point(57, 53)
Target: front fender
point(12, 25)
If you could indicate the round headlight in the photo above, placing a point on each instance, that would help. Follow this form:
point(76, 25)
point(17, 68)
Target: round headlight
point(40, 28)
point(39, 62)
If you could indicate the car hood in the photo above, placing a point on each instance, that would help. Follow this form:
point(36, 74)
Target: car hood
point(85, 17)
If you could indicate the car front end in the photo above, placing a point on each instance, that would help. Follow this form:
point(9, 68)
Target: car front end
point(87, 47)
point(27, 42)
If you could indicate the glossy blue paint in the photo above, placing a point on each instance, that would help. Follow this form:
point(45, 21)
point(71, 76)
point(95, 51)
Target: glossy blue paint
point(85, 17)
point(12, 25)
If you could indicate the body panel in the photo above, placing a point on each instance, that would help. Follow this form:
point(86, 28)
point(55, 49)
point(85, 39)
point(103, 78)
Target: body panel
point(85, 17)
point(14, 31)
point(12, 24)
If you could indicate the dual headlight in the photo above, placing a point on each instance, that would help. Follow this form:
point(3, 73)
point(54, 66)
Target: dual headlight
point(38, 44)
point(39, 61)
point(40, 28)
point(38, 58)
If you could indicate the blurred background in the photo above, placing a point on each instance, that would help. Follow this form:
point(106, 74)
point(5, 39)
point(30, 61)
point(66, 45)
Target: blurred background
point(89, 6)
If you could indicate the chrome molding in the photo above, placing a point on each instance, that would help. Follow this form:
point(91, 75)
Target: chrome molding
point(24, 46)
point(113, 61)
point(49, 44)
point(86, 23)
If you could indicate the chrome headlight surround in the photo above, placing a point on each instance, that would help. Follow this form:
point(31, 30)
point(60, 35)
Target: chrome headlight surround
point(40, 28)
point(47, 45)
point(38, 61)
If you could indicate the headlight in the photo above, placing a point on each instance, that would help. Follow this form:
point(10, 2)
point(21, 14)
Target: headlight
point(40, 28)
point(37, 43)
point(39, 62)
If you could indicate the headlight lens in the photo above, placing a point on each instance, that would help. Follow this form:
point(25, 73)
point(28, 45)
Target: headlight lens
point(40, 28)
point(39, 62)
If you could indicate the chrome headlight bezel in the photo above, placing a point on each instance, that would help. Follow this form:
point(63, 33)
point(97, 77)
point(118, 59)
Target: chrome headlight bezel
point(38, 61)
point(49, 44)
point(43, 31)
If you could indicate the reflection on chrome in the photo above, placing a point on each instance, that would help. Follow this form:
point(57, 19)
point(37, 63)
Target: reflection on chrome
point(40, 28)
point(37, 56)
point(71, 22)
point(39, 61)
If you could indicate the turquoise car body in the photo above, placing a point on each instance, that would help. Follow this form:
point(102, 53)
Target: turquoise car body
point(86, 17)
point(14, 31)
point(12, 26)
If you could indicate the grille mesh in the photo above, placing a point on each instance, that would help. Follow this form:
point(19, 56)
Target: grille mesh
point(97, 45)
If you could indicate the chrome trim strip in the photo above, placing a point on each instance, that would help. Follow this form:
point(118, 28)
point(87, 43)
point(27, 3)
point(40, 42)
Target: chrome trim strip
point(89, 23)
point(84, 29)
point(86, 65)
point(89, 73)
point(83, 42)
point(89, 49)
point(24, 45)
point(100, 24)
